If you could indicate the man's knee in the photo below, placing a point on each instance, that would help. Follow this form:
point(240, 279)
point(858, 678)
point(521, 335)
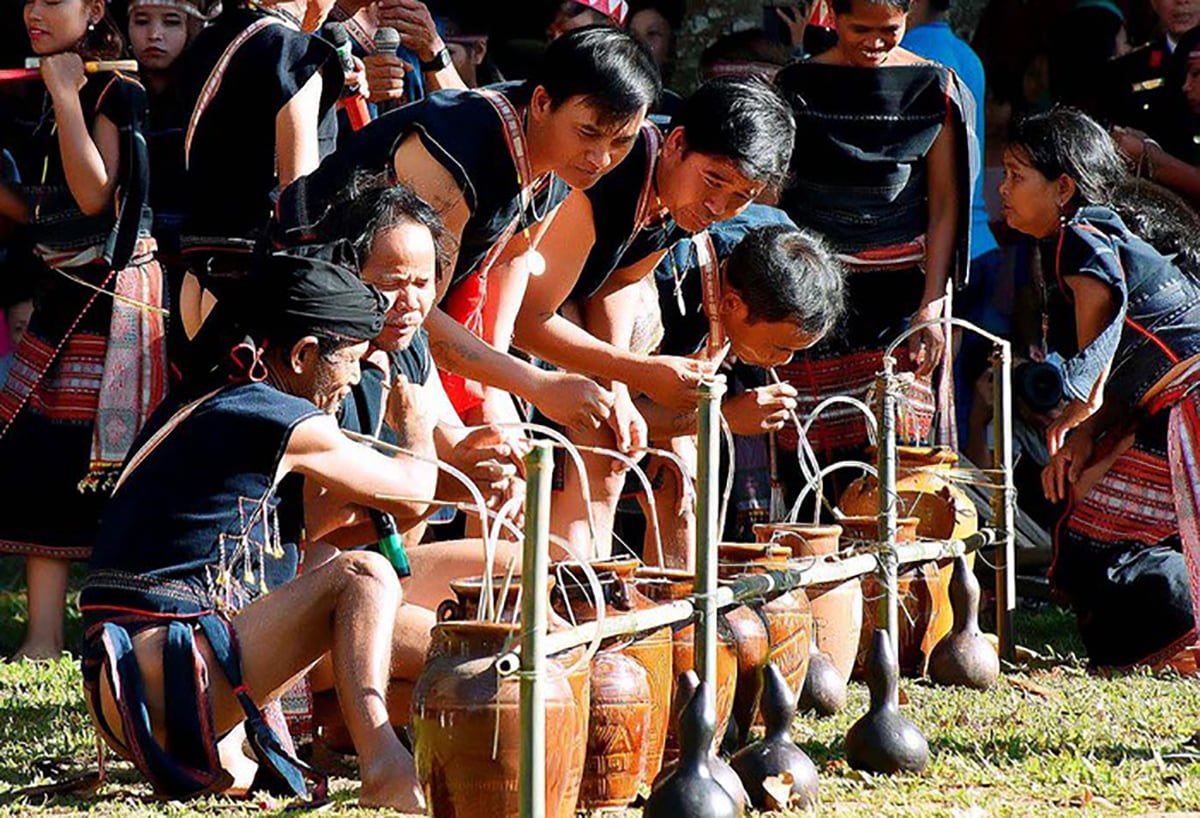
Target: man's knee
point(368, 567)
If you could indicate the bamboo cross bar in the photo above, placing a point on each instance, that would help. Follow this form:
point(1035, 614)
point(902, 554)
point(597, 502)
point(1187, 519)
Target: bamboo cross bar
point(826, 570)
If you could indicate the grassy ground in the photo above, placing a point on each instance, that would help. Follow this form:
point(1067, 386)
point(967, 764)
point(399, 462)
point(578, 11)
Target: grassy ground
point(1049, 740)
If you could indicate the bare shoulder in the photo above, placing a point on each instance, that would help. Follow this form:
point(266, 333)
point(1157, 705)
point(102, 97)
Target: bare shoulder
point(902, 56)
point(420, 170)
point(313, 435)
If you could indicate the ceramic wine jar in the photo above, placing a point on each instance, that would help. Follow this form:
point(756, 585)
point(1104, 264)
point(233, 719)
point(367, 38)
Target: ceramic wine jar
point(837, 608)
point(466, 726)
point(665, 585)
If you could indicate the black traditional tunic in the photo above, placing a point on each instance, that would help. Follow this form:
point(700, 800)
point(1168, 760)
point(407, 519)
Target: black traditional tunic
point(237, 76)
point(472, 137)
point(190, 537)
point(860, 178)
point(620, 201)
point(88, 370)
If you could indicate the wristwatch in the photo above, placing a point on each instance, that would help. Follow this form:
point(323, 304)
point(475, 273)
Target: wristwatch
point(440, 60)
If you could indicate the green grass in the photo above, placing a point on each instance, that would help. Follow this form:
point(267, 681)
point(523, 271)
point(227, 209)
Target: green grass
point(1044, 742)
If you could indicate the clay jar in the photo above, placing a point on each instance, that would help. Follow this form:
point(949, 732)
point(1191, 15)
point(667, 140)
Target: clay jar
point(507, 601)
point(837, 608)
point(943, 508)
point(919, 598)
point(466, 726)
point(788, 614)
point(665, 585)
point(802, 540)
point(630, 687)
point(945, 511)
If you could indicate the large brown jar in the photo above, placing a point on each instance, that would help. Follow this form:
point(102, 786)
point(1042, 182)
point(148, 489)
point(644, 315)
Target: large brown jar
point(920, 599)
point(944, 512)
point(837, 607)
point(507, 603)
point(630, 680)
point(466, 727)
point(788, 613)
point(665, 585)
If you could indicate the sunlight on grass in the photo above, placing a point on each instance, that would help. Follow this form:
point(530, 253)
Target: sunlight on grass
point(1044, 742)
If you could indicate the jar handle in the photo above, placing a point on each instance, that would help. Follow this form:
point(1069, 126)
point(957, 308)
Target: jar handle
point(448, 610)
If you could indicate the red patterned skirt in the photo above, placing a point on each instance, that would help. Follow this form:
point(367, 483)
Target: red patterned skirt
point(1127, 552)
point(79, 360)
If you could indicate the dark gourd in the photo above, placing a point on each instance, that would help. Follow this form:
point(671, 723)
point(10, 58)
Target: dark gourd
point(964, 657)
point(767, 767)
point(685, 690)
point(691, 788)
point(884, 741)
point(824, 691)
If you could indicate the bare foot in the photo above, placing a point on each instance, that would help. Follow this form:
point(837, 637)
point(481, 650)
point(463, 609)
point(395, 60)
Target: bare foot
point(392, 783)
point(36, 653)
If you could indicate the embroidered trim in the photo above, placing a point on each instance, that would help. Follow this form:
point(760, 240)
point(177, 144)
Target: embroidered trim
point(213, 84)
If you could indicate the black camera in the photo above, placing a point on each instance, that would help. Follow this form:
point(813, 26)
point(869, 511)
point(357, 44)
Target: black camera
point(1038, 385)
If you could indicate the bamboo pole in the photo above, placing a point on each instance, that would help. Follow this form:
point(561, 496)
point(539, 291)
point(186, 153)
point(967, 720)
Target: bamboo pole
point(1003, 514)
point(888, 563)
point(535, 595)
point(708, 462)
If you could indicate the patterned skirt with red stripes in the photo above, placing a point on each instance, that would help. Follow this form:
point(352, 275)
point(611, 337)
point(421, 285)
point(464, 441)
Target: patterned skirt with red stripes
point(47, 413)
point(878, 306)
point(1127, 553)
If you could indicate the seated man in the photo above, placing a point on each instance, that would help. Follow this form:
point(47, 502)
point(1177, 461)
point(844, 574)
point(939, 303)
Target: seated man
point(732, 141)
point(401, 242)
point(194, 620)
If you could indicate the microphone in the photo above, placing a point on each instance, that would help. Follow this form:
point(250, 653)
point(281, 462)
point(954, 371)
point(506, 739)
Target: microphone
point(387, 41)
point(353, 104)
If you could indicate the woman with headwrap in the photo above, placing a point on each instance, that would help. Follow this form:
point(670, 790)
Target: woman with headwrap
point(193, 586)
point(90, 368)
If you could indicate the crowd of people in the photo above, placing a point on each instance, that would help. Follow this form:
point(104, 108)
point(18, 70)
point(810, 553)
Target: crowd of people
point(302, 225)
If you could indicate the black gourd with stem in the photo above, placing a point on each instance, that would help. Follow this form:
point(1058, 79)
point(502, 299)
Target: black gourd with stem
point(824, 691)
point(883, 740)
point(964, 657)
point(776, 773)
point(692, 787)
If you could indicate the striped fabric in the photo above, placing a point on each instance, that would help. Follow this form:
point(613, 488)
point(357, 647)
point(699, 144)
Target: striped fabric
point(1183, 446)
point(1133, 502)
point(70, 391)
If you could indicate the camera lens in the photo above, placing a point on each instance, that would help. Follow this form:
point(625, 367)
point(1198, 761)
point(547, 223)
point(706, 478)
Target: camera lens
point(1038, 384)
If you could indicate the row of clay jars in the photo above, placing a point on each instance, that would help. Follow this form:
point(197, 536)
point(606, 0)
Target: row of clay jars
point(630, 687)
point(837, 608)
point(944, 511)
point(666, 585)
point(919, 597)
point(466, 722)
point(788, 619)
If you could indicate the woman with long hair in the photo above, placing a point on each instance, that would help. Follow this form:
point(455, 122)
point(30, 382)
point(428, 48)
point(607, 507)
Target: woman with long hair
point(1123, 451)
point(89, 369)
